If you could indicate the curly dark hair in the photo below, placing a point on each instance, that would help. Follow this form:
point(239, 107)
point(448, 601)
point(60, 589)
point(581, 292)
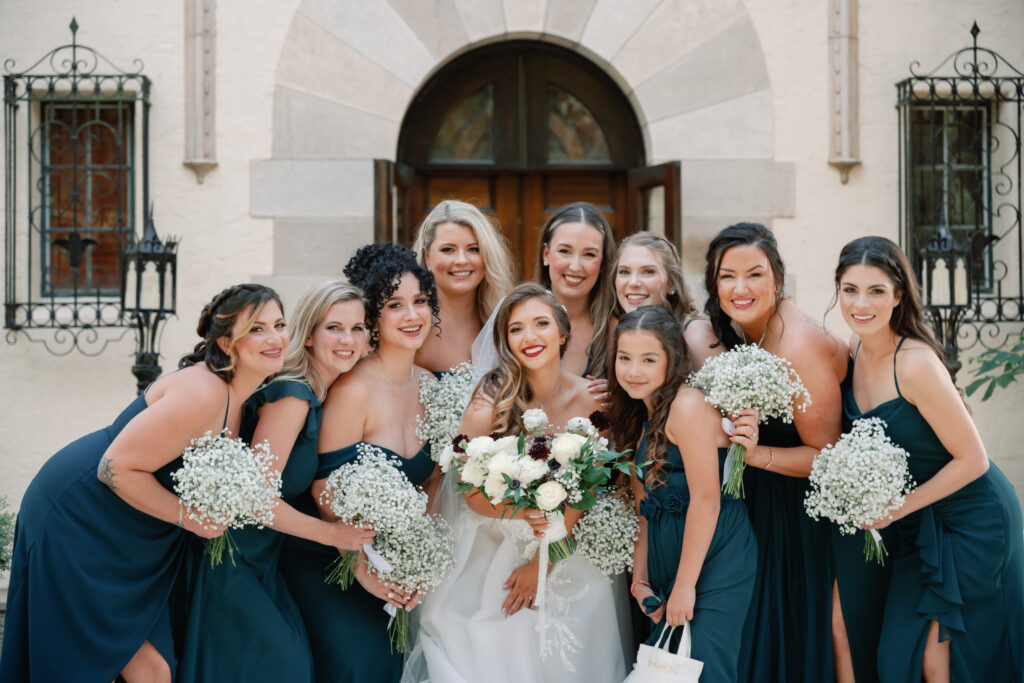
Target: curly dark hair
point(376, 269)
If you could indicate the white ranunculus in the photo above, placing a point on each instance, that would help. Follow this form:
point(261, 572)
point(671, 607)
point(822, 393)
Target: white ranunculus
point(448, 456)
point(535, 419)
point(531, 470)
point(479, 448)
point(500, 463)
point(566, 447)
point(494, 487)
point(580, 425)
point(550, 495)
point(472, 474)
point(508, 445)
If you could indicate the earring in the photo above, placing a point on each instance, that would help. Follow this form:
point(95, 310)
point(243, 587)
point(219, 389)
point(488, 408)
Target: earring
point(546, 264)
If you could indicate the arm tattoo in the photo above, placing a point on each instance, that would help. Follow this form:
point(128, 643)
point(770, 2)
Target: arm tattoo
point(105, 474)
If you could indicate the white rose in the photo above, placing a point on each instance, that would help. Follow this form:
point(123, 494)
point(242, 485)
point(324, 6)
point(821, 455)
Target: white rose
point(566, 447)
point(531, 470)
point(508, 445)
point(535, 419)
point(472, 474)
point(448, 456)
point(550, 495)
point(479, 448)
point(501, 464)
point(495, 487)
point(580, 425)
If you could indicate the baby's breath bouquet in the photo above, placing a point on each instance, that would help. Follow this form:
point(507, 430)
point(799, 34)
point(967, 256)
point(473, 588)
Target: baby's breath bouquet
point(744, 377)
point(224, 481)
point(607, 534)
point(864, 477)
point(6, 535)
point(417, 559)
point(371, 490)
point(444, 401)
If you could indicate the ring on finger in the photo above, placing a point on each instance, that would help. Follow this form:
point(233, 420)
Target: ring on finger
point(391, 594)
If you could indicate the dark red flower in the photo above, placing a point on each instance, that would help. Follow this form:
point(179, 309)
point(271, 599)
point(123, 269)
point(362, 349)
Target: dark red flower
point(601, 420)
point(459, 443)
point(494, 435)
point(539, 449)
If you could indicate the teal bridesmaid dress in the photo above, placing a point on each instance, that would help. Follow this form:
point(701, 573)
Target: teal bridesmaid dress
point(92, 576)
point(726, 580)
point(242, 623)
point(788, 632)
point(348, 629)
point(959, 562)
point(863, 585)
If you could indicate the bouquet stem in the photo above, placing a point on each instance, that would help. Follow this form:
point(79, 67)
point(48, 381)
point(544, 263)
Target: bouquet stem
point(560, 550)
point(343, 569)
point(874, 548)
point(398, 631)
point(215, 548)
point(732, 484)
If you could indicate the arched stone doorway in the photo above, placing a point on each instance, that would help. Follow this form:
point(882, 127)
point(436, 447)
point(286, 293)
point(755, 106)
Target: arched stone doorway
point(520, 128)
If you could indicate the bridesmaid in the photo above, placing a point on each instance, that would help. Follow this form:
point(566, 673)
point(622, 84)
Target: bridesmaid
point(574, 252)
point(99, 538)
point(955, 607)
point(243, 623)
point(647, 272)
point(787, 634)
point(376, 403)
point(472, 270)
point(696, 555)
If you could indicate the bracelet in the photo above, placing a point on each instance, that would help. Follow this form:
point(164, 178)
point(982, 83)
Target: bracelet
point(771, 458)
point(638, 582)
point(181, 510)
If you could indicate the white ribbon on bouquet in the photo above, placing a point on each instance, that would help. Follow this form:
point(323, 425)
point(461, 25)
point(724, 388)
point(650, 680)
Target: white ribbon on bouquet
point(383, 567)
point(555, 532)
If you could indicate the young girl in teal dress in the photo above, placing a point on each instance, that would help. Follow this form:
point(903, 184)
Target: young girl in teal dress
point(243, 623)
point(955, 605)
point(376, 403)
point(788, 634)
point(101, 537)
point(696, 556)
point(472, 270)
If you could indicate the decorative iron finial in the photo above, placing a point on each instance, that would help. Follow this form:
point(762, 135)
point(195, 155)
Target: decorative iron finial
point(974, 32)
point(74, 27)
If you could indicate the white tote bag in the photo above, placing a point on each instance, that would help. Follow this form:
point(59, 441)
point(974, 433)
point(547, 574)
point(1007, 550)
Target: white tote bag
point(657, 664)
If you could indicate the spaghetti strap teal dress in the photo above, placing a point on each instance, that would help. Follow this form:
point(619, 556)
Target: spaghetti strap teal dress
point(959, 562)
point(726, 580)
point(243, 623)
point(788, 632)
point(863, 585)
point(348, 629)
point(92, 576)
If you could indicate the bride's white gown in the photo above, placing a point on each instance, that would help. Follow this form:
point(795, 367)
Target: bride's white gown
point(463, 636)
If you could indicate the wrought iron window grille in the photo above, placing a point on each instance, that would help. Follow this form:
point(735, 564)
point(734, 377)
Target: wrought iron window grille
point(75, 126)
point(961, 197)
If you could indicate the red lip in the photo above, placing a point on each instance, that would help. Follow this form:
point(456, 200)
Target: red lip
point(533, 351)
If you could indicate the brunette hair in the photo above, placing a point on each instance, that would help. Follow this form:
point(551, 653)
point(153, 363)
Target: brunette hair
point(908, 317)
point(217, 320)
point(498, 279)
point(630, 413)
point(740, 234)
point(602, 297)
point(506, 385)
point(679, 300)
point(376, 269)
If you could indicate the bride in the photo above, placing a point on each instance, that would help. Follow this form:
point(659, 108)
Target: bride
point(480, 625)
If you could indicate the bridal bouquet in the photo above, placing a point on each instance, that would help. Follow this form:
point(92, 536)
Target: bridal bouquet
point(6, 535)
point(747, 376)
point(862, 478)
point(607, 534)
point(371, 490)
point(224, 481)
point(444, 401)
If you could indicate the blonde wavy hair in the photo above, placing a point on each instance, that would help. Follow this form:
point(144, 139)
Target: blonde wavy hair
point(602, 296)
point(311, 309)
point(680, 300)
point(494, 251)
point(506, 385)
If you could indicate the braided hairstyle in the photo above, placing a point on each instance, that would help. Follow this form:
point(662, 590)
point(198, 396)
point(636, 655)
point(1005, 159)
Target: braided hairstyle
point(377, 270)
point(218, 320)
point(740, 234)
point(631, 413)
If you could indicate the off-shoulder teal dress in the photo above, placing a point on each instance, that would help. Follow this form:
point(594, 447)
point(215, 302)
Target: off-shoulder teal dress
point(243, 624)
point(788, 633)
point(726, 579)
point(347, 628)
point(91, 576)
point(959, 562)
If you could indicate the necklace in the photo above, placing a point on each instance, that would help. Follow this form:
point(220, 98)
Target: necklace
point(400, 383)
